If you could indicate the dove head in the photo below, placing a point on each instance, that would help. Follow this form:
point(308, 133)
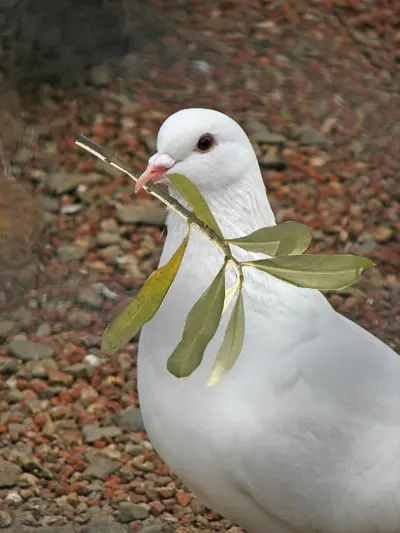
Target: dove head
point(206, 146)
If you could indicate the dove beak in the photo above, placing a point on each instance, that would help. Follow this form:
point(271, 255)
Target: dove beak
point(157, 166)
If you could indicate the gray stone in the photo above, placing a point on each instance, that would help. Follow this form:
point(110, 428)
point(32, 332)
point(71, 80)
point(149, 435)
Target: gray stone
point(109, 225)
point(396, 130)
point(201, 66)
point(29, 351)
point(153, 528)
point(99, 76)
point(14, 396)
point(91, 340)
point(79, 319)
point(23, 316)
point(50, 392)
point(69, 252)
point(88, 296)
point(130, 263)
point(356, 147)
point(383, 233)
point(49, 203)
point(92, 360)
point(78, 370)
point(134, 449)
point(39, 369)
point(136, 213)
point(71, 209)
point(49, 218)
point(130, 418)
point(7, 327)
point(9, 473)
point(44, 330)
point(5, 519)
point(368, 246)
point(36, 369)
point(8, 366)
point(128, 512)
point(92, 433)
point(104, 526)
point(260, 133)
point(106, 238)
point(129, 64)
point(69, 528)
point(101, 467)
point(14, 428)
point(110, 252)
point(62, 182)
point(307, 135)
point(23, 156)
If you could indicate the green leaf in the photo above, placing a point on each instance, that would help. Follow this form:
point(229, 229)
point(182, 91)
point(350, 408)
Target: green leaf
point(195, 199)
point(231, 345)
point(288, 238)
point(201, 324)
point(145, 305)
point(323, 272)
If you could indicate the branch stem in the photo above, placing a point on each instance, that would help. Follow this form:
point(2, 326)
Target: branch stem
point(155, 190)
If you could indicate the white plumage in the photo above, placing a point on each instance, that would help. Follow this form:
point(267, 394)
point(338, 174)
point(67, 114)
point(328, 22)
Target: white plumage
point(303, 434)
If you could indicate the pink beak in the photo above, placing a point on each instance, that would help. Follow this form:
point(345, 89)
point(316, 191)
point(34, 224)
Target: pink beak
point(158, 165)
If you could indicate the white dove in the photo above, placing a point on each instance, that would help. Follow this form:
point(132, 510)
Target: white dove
point(303, 434)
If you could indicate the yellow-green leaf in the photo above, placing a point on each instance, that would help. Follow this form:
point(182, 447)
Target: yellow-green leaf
point(230, 293)
point(231, 345)
point(323, 272)
point(145, 305)
point(288, 238)
point(201, 324)
point(195, 199)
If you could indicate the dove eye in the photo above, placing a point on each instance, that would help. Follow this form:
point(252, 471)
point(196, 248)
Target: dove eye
point(205, 143)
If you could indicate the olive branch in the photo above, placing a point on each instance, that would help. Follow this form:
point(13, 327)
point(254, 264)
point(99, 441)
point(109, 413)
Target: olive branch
point(284, 243)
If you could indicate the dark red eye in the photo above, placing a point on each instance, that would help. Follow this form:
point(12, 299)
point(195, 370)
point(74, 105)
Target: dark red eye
point(205, 143)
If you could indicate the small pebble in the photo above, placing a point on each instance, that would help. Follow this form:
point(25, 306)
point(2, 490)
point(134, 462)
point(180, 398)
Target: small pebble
point(93, 433)
point(101, 467)
point(92, 360)
point(79, 319)
point(13, 497)
point(5, 519)
point(131, 511)
point(104, 526)
point(9, 473)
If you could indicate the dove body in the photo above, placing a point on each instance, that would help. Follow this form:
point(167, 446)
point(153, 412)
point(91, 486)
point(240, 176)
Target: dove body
point(303, 434)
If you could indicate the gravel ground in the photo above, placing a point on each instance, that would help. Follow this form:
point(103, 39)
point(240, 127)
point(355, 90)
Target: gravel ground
point(318, 87)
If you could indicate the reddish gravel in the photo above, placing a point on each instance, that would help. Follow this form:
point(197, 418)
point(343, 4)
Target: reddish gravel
point(325, 76)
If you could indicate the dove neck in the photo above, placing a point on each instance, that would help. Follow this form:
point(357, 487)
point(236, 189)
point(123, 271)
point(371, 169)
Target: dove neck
point(238, 210)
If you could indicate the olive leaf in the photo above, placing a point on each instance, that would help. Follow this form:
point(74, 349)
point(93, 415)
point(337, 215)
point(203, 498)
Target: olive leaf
point(200, 327)
point(143, 307)
point(195, 199)
point(288, 238)
point(323, 272)
point(230, 293)
point(231, 345)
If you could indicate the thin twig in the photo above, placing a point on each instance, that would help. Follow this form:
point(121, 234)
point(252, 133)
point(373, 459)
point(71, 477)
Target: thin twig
point(114, 160)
